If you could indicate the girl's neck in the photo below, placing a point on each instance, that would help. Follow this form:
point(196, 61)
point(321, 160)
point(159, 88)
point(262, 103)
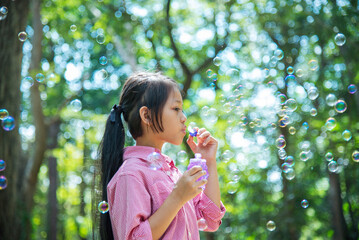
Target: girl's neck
point(140, 141)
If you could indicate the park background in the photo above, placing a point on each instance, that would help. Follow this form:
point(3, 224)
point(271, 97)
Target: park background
point(274, 81)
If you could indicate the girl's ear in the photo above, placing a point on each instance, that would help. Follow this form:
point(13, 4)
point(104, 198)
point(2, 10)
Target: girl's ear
point(145, 115)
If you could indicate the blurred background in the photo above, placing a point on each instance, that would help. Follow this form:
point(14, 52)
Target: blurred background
point(274, 81)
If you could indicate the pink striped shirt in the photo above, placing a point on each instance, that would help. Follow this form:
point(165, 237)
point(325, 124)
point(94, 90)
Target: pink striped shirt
point(136, 191)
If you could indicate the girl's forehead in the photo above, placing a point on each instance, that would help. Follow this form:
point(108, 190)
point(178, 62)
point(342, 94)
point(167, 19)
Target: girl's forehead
point(175, 96)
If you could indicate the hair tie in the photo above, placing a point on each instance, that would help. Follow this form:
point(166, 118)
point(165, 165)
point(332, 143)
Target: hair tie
point(113, 112)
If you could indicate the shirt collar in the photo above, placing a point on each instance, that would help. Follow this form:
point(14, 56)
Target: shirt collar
point(142, 152)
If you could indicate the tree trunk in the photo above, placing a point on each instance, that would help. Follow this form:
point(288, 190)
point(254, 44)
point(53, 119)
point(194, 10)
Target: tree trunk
point(10, 99)
point(52, 209)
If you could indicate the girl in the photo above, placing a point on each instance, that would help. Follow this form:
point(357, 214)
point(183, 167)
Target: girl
point(147, 202)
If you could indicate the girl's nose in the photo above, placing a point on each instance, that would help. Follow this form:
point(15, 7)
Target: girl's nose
point(183, 118)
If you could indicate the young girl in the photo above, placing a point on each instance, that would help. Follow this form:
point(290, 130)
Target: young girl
point(147, 202)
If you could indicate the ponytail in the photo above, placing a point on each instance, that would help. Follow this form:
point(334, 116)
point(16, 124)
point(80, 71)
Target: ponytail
point(111, 154)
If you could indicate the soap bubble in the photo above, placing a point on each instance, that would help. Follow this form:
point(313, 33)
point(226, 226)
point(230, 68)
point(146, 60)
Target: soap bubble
point(280, 143)
point(333, 166)
point(75, 105)
point(290, 174)
point(192, 129)
point(290, 70)
point(290, 161)
point(3, 182)
point(313, 112)
point(289, 78)
point(282, 153)
point(232, 187)
point(227, 155)
point(154, 161)
point(299, 73)
point(355, 156)
point(266, 72)
point(285, 167)
point(339, 39)
point(271, 226)
point(303, 156)
point(100, 39)
point(340, 106)
point(202, 224)
point(182, 156)
point(305, 125)
point(313, 65)
point(347, 135)
point(3, 12)
point(292, 130)
point(329, 156)
point(2, 165)
point(22, 36)
point(279, 54)
point(73, 28)
point(291, 104)
point(304, 203)
point(331, 99)
point(313, 93)
point(103, 60)
point(103, 207)
point(217, 61)
point(352, 89)
point(40, 77)
point(212, 115)
point(233, 75)
point(8, 123)
point(214, 77)
point(209, 73)
point(330, 123)
point(3, 114)
point(282, 98)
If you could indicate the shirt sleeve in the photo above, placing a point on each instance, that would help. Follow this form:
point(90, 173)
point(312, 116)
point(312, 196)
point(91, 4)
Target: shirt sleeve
point(208, 210)
point(130, 208)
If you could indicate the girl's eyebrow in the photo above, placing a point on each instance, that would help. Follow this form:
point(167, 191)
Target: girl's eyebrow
point(178, 101)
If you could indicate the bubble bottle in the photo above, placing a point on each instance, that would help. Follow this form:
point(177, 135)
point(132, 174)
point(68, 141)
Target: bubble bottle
point(198, 161)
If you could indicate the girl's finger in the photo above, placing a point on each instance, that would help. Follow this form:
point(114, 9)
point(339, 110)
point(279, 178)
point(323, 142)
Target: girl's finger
point(195, 170)
point(200, 131)
point(204, 135)
point(207, 140)
point(191, 143)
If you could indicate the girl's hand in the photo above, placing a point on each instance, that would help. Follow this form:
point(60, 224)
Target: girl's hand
point(186, 187)
point(206, 145)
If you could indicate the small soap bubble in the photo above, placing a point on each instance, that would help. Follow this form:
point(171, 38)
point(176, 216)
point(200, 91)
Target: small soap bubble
point(192, 129)
point(329, 156)
point(313, 65)
point(305, 125)
point(3, 182)
point(182, 156)
point(22, 36)
point(73, 28)
point(154, 161)
point(2, 165)
point(304, 203)
point(347, 135)
point(227, 155)
point(313, 93)
point(8, 123)
point(279, 54)
point(209, 73)
point(292, 130)
point(289, 78)
point(291, 104)
point(285, 167)
point(103, 60)
point(352, 89)
point(340, 106)
point(3, 12)
point(282, 98)
point(355, 156)
point(75, 105)
point(290, 174)
point(290, 70)
point(339, 39)
point(212, 115)
point(303, 156)
point(232, 187)
point(104, 73)
point(214, 77)
point(282, 153)
point(330, 123)
point(100, 39)
point(40, 77)
point(331, 99)
point(271, 226)
point(103, 207)
point(290, 161)
point(313, 112)
point(3, 114)
point(299, 73)
point(333, 166)
point(266, 72)
point(217, 61)
point(280, 143)
point(202, 224)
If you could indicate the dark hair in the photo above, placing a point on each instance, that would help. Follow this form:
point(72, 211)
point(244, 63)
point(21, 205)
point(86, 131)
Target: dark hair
point(141, 89)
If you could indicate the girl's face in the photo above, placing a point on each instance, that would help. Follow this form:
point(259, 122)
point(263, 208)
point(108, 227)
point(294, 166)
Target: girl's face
point(173, 119)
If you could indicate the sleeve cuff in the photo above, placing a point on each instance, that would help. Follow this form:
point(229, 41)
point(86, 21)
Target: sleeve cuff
point(142, 232)
point(211, 209)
